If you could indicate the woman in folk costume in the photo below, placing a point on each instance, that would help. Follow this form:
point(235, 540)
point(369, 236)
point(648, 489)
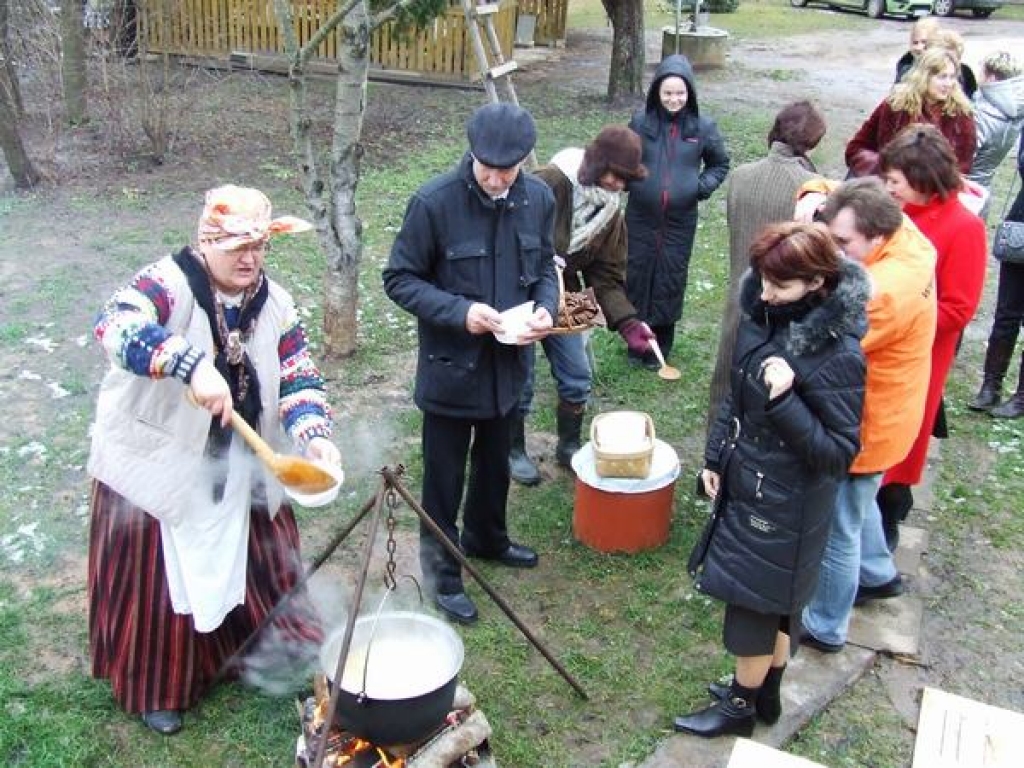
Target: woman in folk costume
point(191, 542)
point(929, 93)
point(590, 237)
point(920, 172)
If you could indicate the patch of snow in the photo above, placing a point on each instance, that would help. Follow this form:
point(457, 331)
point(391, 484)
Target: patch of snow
point(56, 390)
point(46, 344)
point(29, 376)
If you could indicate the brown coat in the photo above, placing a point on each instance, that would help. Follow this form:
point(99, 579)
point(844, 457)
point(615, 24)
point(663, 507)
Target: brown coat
point(602, 263)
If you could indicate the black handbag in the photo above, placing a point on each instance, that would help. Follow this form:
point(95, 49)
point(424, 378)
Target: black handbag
point(1008, 242)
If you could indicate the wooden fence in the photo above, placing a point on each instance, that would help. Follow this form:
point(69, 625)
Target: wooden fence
point(226, 29)
point(551, 16)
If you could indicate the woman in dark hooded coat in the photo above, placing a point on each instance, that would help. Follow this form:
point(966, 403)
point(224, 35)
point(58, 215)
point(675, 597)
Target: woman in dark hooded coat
point(687, 161)
point(784, 437)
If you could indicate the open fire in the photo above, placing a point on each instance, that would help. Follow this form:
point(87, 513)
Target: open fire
point(459, 742)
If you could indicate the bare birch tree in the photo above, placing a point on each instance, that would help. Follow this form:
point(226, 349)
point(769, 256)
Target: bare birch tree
point(330, 185)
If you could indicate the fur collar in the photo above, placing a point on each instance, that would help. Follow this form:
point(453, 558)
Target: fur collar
point(842, 312)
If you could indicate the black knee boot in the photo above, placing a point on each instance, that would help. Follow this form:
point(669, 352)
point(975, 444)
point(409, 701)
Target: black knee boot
point(520, 465)
point(570, 427)
point(997, 360)
point(1014, 407)
point(729, 716)
point(895, 501)
point(769, 699)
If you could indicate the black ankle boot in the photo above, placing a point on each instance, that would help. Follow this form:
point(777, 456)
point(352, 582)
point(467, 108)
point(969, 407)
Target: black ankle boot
point(730, 716)
point(769, 698)
point(1011, 409)
point(520, 466)
point(988, 396)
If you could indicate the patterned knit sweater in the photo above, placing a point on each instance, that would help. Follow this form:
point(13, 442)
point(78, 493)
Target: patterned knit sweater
point(132, 329)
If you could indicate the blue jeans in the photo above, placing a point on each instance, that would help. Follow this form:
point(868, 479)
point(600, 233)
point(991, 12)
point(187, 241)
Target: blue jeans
point(570, 369)
point(856, 553)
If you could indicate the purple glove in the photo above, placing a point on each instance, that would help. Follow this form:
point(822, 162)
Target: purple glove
point(637, 335)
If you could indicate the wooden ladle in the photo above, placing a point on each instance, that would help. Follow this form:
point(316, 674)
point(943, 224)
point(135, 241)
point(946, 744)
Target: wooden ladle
point(666, 371)
point(294, 472)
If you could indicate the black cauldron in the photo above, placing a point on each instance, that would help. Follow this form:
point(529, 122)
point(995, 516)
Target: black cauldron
point(399, 680)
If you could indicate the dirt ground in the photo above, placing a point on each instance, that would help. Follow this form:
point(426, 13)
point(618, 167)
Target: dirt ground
point(847, 77)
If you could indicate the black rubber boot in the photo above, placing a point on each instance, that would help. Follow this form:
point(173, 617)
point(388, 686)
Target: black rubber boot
point(1014, 407)
point(520, 465)
point(997, 360)
point(570, 428)
point(730, 716)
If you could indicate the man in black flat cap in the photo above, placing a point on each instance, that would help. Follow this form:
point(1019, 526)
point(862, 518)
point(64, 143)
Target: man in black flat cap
point(475, 241)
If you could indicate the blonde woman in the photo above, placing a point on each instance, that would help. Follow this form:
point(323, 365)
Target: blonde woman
point(930, 93)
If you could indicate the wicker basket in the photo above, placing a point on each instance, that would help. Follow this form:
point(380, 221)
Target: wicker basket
point(615, 461)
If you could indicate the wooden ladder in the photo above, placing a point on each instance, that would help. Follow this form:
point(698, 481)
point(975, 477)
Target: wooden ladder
point(499, 69)
point(493, 66)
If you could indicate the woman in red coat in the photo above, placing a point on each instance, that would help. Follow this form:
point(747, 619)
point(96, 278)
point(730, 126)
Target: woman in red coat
point(929, 93)
point(920, 171)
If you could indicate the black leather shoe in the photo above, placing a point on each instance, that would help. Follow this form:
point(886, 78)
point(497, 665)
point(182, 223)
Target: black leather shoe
point(163, 721)
point(457, 606)
point(727, 717)
point(892, 588)
point(768, 707)
point(514, 556)
point(806, 638)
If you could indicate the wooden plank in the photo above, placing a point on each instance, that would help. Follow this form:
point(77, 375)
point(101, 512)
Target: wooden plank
point(486, 9)
point(502, 69)
point(956, 732)
point(751, 754)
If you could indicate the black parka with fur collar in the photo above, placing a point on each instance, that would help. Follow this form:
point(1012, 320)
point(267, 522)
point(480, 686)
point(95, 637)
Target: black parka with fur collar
point(780, 460)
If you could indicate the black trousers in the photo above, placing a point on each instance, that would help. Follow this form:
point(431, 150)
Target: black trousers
point(1009, 313)
point(446, 443)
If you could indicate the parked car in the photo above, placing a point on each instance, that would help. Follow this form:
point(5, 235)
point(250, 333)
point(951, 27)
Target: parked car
point(912, 9)
point(980, 9)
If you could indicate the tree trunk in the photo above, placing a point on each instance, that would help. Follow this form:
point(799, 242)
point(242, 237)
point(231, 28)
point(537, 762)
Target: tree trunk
point(11, 111)
point(9, 86)
point(341, 283)
point(24, 172)
point(626, 73)
point(72, 62)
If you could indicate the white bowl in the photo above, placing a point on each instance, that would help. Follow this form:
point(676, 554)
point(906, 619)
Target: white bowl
point(324, 497)
point(513, 323)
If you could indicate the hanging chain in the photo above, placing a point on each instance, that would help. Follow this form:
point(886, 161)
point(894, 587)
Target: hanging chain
point(391, 500)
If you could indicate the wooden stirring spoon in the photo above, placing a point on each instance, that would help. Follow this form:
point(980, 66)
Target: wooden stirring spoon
point(666, 371)
point(294, 472)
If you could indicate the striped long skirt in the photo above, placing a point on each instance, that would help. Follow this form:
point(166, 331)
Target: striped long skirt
point(154, 657)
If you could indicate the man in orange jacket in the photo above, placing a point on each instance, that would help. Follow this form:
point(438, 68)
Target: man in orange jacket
point(867, 224)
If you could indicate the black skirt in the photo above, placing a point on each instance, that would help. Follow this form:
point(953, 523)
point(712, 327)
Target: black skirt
point(749, 633)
